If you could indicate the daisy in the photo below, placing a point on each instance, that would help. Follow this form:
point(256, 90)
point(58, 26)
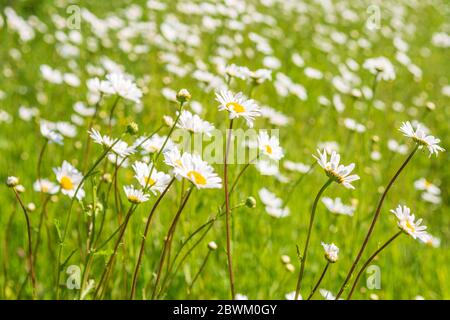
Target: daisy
point(296, 166)
point(336, 206)
point(424, 185)
point(269, 199)
point(154, 144)
point(172, 157)
point(193, 123)
point(338, 172)
point(381, 67)
point(430, 197)
point(104, 140)
point(69, 180)
point(394, 146)
point(291, 296)
point(331, 252)
point(431, 240)
point(420, 137)
point(270, 146)
point(135, 196)
point(124, 87)
point(327, 295)
point(239, 296)
point(45, 186)
point(158, 180)
point(199, 172)
point(97, 86)
point(407, 224)
point(238, 106)
point(49, 133)
point(119, 147)
point(235, 71)
point(278, 212)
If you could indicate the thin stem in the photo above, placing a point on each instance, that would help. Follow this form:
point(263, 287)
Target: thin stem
point(202, 267)
point(41, 221)
point(374, 221)
point(111, 114)
point(30, 246)
point(108, 267)
point(227, 210)
point(168, 241)
point(366, 264)
point(144, 238)
point(319, 281)
point(41, 156)
point(305, 250)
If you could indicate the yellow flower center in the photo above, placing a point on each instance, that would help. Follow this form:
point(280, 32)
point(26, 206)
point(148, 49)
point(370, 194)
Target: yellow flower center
point(409, 226)
point(238, 108)
point(268, 149)
point(66, 183)
point(44, 188)
point(133, 199)
point(178, 163)
point(333, 175)
point(149, 181)
point(197, 177)
point(427, 184)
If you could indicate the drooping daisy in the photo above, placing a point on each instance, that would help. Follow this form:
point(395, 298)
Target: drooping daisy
point(270, 146)
point(238, 106)
point(420, 137)
point(199, 172)
point(135, 196)
point(336, 206)
point(45, 186)
point(331, 252)
point(158, 180)
point(69, 180)
point(338, 172)
point(193, 123)
point(406, 222)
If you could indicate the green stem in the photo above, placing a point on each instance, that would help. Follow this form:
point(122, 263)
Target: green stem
point(319, 281)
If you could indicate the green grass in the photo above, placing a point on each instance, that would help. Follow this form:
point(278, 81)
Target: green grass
point(408, 268)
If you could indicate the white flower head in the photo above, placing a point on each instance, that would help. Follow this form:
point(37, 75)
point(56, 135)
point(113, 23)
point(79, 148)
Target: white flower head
point(124, 87)
point(420, 137)
point(381, 67)
point(45, 186)
point(331, 252)
point(48, 131)
point(291, 296)
point(199, 172)
point(338, 172)
point(270, 146)
point(238, 106)
point(406, 222)
point(135, 196)
point(158, 180)
point(193, 123)
point(69, 180)
point(336, 206)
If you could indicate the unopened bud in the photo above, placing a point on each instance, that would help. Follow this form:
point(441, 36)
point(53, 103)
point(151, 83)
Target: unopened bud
point(168, 121)
point(250, 202)
point(183, 96)
point(212, 245)
point(132, 128)
point(12, 181)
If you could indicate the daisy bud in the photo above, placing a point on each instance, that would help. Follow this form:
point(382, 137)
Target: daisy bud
point(290, 267)
point(168, 121)
point(285, 259)
point(12, 181)
point(331, 252)
point(212, 245)
point(183, 96)
point(107, 178)
point(250, 202)
point(31, 207)
point(20, 188)
point(132, 128)
point(375, 139)
point(430, 106)
point(356, 93)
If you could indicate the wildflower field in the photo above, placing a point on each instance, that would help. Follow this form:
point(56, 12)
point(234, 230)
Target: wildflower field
point(219, 149)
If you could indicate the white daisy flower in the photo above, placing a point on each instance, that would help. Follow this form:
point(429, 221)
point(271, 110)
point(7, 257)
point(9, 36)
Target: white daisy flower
point(193, 123)
point(381, 67)
point(154, 144)
point(48, 132)
point(338, 172)
point(278, 212)
point(158, 180)
point(45, 186)
point(135, 196)
point(394, 146)
point(199, 172)
point(420, 137)
point(66, 129)
point(104, 140)
point(239, 296)
point(431, 240)
point(172, 157)
point(430, 197)
point(97, 86)
point(69, 180)
point(327, 295)
point(406, 222)
point(296, 166)
point(238, 106)
point(424, 185)
point(269, 199)
point(235, 71)
point(352, 125)
point(291, 296)
point(270, 146)
point(124, 87)
point(336, 206)
point(331, 252)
